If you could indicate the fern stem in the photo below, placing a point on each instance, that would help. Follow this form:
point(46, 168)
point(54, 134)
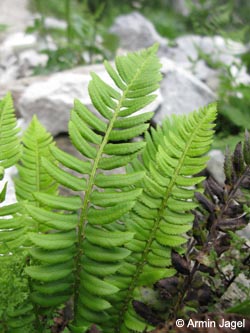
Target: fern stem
point(147, 248)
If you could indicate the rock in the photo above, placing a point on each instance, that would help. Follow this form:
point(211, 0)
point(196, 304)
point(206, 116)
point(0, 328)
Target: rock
point(136, 32)
point(180, 6)
point(18, 57)
point(215, 165)
point(181, 91)
point(52, 99)
point(17, 42)
point(237, 290)
point(220, 49)
point(10, 197)
point(8, 73)
point(54, 23)
point(29, 60)
point(186, 54)
point(15, 15)
point(245, 232)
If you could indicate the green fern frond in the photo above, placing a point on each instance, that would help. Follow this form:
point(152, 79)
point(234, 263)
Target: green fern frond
point(104, 143)
point(162, 214)
point(9, 141)
point(32, 176)
point(16, 310)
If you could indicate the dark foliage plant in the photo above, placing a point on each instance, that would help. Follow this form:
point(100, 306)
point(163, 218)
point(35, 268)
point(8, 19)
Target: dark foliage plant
point(81, 262)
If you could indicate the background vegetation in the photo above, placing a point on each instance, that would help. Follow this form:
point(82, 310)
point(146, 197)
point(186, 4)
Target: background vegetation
point(86, 39)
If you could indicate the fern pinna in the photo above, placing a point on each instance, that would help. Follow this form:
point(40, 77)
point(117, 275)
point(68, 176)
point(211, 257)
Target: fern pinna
point(85, 249)
point(162, 213)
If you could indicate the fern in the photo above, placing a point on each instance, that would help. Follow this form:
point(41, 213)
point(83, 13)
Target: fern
point(9, 141)
point(162, 213)
point(82, 260)
point(14, 230)
point(115, 234)
point(32, 175)
point(32, 178)
point(11, 226)
point(16, 312)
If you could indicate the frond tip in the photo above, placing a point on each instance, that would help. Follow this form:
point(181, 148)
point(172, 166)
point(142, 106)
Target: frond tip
point(9, 140)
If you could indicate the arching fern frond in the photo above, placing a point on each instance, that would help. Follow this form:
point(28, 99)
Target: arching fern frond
point(104, 142)
point(162, 214)
point(9, 141)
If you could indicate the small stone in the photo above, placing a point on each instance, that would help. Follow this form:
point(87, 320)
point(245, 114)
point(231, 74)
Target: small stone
point(9, 174)
point(215, 165)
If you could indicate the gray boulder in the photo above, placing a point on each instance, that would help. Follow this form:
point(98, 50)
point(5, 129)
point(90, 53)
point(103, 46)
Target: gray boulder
point(52, 99)
point(136, 32)
point(181, 92)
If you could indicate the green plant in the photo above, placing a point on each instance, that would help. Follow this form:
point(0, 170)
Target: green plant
point(14, 292)
point(215, 255)
point(160, 215)
point(233, 108)
point(83, 40)
point(225, 18)
point(233, 101)
point(9, 141)
point(98, 247)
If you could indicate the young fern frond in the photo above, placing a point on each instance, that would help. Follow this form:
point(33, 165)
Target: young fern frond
point(162, 214)
point(9, 141)
point(32, 176)
point(16, 312)
point(14, 230)
point(12, 225)
point(86, 244)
